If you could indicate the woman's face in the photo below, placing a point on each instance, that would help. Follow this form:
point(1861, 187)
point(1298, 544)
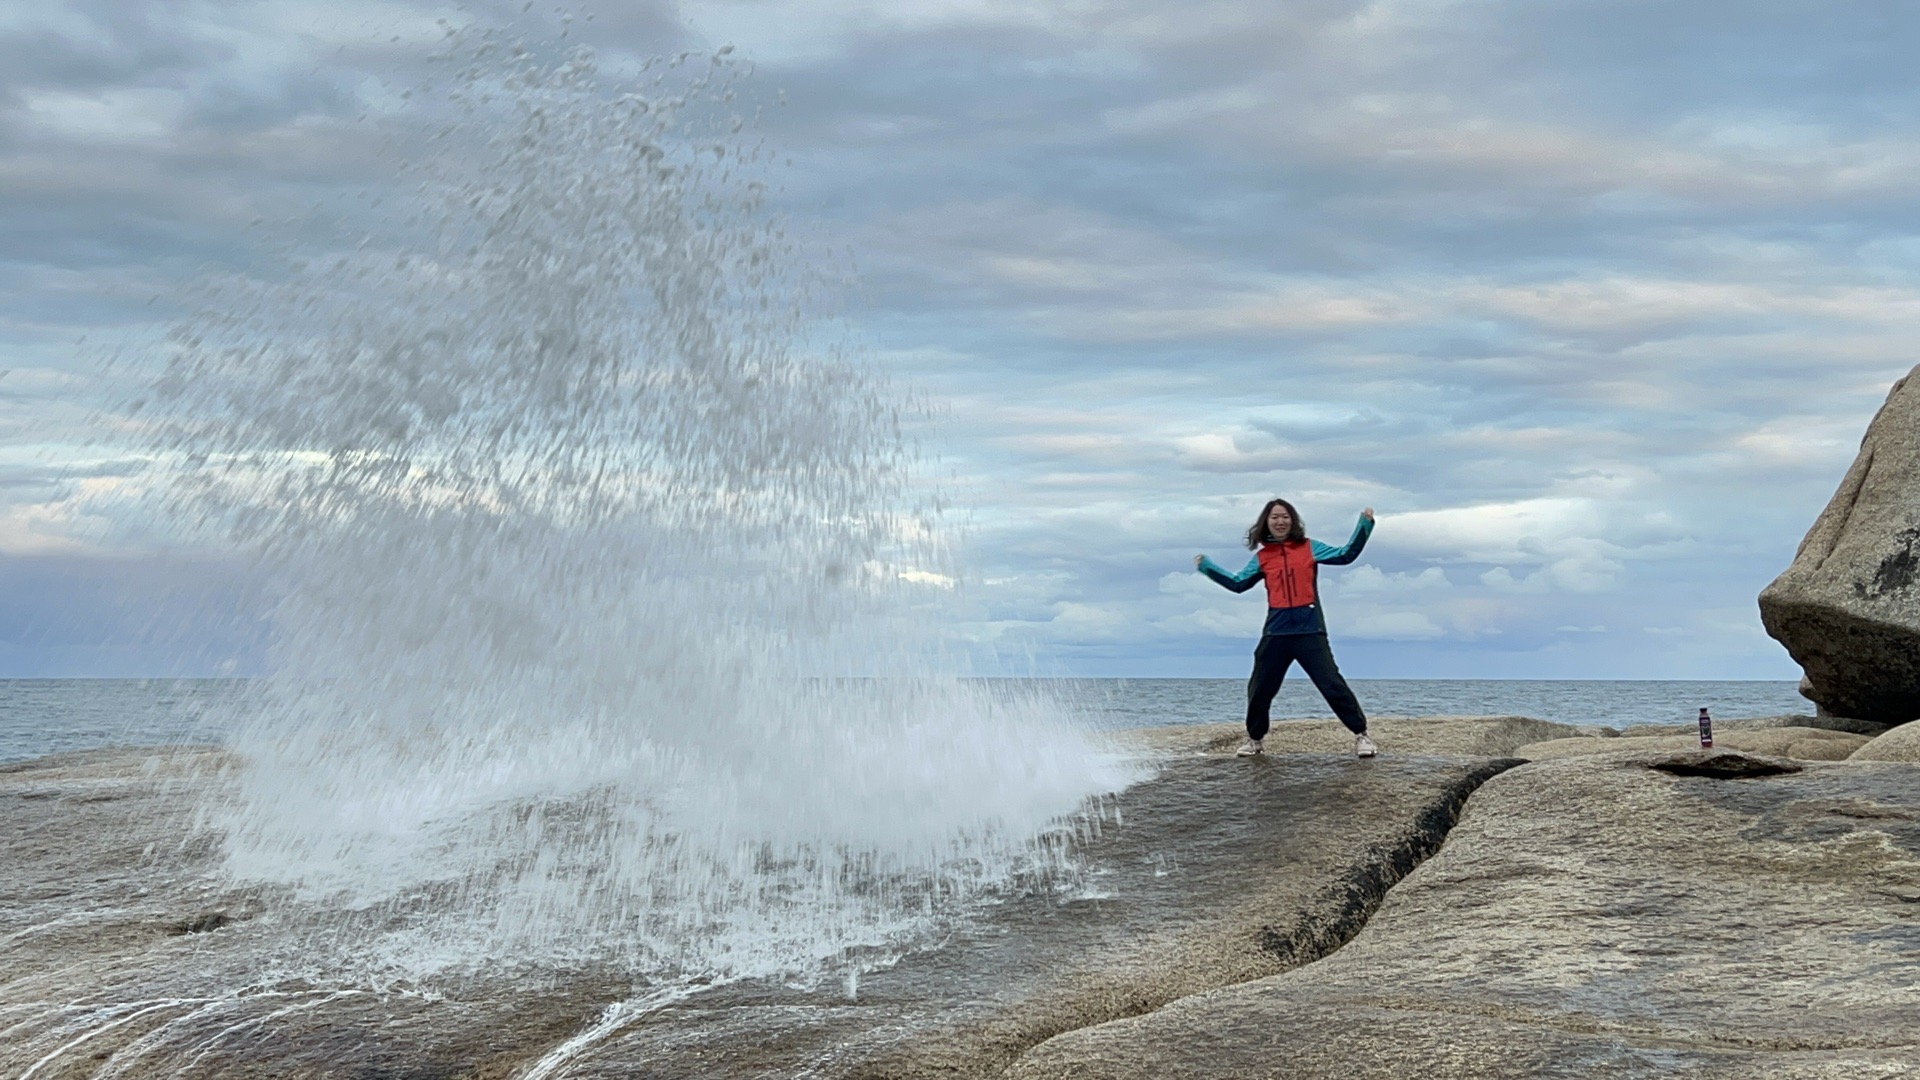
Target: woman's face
point(1279, 522)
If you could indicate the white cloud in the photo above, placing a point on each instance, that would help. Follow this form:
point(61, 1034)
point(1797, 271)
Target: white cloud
point(1582, 565)
point(818, 31)
point(1619, 302)
point(1395, 626)
point(41, 529)
point(1210, 622)
point(1522, 530)
point(1282, 308)
point(1188, 583)
point(1372, 580)
point(1245, 452)
point(72, 515)
point(1077, 622)
point(1801, 442)
point(1501, 579)
point(1587, 570)
point(1616, 307)
point(114, 116)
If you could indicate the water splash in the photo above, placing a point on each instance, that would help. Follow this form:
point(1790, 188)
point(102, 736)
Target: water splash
point(588, 550)
point(608, 1024)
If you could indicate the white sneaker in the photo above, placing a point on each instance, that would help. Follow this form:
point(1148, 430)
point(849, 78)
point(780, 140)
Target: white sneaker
point(1250, 748)
point(1363, 746)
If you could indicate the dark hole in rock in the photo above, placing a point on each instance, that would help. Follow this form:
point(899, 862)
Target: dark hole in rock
point(1723, 765)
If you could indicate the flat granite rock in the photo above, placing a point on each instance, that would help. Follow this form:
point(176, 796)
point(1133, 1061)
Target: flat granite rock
point(1761, 723)
point(123, 954)
point(1806, 744)
point(1598, 916)
point(1422, 736)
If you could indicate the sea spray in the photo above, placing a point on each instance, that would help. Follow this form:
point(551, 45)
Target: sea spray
point(589, 558)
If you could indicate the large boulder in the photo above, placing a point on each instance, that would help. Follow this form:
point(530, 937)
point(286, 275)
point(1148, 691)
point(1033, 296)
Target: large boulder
point(1848, 609)
point(1900, 744)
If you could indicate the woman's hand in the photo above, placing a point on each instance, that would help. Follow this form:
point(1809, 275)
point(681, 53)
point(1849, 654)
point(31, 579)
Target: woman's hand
point(1367, 513)
point(1197, 560)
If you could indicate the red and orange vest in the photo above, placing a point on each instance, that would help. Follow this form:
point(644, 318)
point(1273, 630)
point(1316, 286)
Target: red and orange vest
point(1291, 572)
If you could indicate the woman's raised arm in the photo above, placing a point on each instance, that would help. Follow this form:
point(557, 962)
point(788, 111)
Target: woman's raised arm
point(1247, 578)
point(1340, 556)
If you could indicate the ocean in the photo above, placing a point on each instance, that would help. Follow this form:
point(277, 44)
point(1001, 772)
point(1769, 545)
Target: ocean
point(47, 716)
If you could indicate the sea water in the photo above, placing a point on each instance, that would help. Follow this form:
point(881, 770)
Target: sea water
point(1614, 703)
point(44, 716)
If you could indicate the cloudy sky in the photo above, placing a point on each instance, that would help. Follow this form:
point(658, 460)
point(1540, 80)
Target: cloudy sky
point(1591, 300)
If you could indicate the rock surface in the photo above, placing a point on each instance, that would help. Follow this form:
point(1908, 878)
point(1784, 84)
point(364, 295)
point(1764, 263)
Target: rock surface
point(122, 955)
point(1651, 912)
point(1900, 744)
point(1806, 744)
point(1426, 736)
point(1760, 723)
point(1848, 608)
point(1598, 916)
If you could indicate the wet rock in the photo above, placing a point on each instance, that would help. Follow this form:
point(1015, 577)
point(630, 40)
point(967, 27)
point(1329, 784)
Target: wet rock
point(1593, 917)
point(1848, 608)
point(1224, 870)
point(1806, 744)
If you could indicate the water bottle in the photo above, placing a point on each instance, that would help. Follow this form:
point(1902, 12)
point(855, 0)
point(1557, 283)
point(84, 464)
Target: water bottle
point(1706, 729)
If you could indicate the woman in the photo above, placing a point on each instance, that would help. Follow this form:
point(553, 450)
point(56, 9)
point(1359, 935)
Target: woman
point(1289, 563)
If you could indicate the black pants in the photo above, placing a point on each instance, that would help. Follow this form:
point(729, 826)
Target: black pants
point(1271, 659)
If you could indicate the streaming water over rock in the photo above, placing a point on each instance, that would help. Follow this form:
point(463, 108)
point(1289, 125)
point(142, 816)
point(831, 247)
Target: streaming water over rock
point(592, 563)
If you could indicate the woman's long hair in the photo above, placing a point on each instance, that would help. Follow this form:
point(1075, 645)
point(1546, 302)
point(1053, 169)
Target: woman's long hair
point(1258, 534)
